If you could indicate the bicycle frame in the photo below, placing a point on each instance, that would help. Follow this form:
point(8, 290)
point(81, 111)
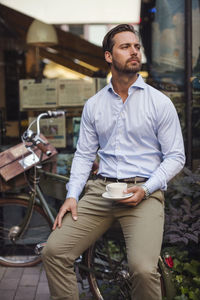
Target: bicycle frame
point(37, 196)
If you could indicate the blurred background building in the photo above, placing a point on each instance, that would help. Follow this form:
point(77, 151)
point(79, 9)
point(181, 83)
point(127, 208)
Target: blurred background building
point(65, 61)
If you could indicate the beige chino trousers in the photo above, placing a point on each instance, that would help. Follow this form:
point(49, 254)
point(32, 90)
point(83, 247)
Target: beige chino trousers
point(142, 228)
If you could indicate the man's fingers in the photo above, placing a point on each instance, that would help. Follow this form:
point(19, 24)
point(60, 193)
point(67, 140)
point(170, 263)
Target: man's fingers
point(58, 220)
point(69, 205)
point(132, 189)
point(74, 213)
point(60, 217)
point(136, 198)
point(129, 203)
point(55, 223)
point(128, 200)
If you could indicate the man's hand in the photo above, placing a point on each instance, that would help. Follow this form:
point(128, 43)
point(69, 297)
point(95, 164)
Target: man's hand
point(70, 204)
point(138, 195)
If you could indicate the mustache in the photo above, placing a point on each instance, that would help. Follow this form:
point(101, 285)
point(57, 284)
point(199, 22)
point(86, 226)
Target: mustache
point(133, 58)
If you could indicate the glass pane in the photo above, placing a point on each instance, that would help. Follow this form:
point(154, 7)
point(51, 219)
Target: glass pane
point(168, 45)
point(196, 44)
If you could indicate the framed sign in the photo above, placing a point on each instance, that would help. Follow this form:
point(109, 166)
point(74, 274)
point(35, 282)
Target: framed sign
point(38, 95)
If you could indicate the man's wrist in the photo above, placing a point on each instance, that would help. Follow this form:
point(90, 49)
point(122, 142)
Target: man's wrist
point(146, 191)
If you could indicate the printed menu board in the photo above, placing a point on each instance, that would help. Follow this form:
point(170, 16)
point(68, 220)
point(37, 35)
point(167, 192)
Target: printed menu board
point(75, 92)
point(38, 95)
point(55, 93)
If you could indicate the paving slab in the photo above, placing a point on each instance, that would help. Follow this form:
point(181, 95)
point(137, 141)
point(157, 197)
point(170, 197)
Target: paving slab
point(42, 288)
point(9, 283)
point(25, 293)
point(29, 280)
point(29, 284)
point(7, 294)
point(33, 270)
point(42, 297)
point(2, 272)
point(13, 272)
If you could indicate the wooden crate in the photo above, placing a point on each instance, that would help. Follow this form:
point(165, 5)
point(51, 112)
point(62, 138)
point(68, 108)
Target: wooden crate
point(12, 173)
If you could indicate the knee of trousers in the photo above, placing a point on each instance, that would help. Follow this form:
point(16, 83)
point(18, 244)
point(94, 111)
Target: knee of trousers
point(143, 269)
point(52, 253)
point(48, 252)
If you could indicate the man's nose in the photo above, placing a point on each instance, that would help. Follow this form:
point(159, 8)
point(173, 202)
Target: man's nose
point(133, 50)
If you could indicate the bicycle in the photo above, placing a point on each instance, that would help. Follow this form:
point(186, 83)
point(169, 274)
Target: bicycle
point(26, 220)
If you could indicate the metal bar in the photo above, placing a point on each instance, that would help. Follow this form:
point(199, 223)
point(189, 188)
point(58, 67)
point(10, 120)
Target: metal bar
point(188, 84)
point(53, 175)
point(45, 204)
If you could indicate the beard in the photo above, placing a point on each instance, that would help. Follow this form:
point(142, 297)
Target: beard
point(126, 69)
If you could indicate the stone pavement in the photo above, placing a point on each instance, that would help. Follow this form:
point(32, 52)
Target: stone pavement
point(29, 284)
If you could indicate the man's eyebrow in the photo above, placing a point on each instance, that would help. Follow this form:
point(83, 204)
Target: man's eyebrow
point(127, 44)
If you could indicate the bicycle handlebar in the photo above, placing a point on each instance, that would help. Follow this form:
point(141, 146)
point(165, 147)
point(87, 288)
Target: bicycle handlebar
point(34, 138)
point(55, 114)
point(43, 148)
point(48, 114)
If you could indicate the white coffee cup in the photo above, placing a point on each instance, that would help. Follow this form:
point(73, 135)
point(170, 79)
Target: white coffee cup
point(116, 189)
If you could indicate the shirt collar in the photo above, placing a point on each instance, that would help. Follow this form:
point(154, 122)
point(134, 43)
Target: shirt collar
point(139, 83)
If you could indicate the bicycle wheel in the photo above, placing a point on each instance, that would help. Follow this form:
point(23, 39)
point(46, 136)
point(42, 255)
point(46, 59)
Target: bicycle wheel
point(108, 274)
point(20, 253)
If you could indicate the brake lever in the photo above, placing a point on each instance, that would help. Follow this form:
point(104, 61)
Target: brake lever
point(30, 137)
point(40, 144)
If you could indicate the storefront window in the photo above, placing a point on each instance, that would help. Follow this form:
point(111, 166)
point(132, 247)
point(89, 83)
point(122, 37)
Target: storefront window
point(168, 61)
point(168, 45)
point(196, 45)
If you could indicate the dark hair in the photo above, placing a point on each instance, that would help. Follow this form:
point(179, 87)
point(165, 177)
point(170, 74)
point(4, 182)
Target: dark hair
point(108, 42)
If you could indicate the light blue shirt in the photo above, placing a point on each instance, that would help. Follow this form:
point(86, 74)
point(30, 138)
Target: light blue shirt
point(141, 137)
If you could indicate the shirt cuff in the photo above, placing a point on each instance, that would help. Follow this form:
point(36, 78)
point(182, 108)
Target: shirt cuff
point(153, 184)
point(71, 195)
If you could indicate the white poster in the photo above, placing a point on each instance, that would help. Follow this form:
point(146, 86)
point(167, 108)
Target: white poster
point(75, 92)
point(38, 95)
point(54, 130)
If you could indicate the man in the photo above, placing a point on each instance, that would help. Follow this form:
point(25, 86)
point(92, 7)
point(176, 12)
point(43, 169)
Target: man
point(136, 132)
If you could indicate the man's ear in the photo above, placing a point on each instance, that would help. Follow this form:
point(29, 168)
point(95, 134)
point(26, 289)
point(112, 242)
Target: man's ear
point(108, 57)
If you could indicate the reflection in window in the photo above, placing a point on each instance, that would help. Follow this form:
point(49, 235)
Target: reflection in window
point(168, 44)
point(196, 45)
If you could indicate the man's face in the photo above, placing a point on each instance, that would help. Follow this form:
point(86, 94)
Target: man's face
point(126, 56)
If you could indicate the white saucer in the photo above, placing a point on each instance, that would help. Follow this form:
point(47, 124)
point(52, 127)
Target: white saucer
point(106, 195)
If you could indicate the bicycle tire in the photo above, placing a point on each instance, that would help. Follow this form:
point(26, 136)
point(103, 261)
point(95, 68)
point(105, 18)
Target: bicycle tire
point(21, 253)
point(108, 274)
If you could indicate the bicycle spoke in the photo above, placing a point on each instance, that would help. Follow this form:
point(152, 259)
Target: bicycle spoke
point(20, 251)
point(111, 275)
